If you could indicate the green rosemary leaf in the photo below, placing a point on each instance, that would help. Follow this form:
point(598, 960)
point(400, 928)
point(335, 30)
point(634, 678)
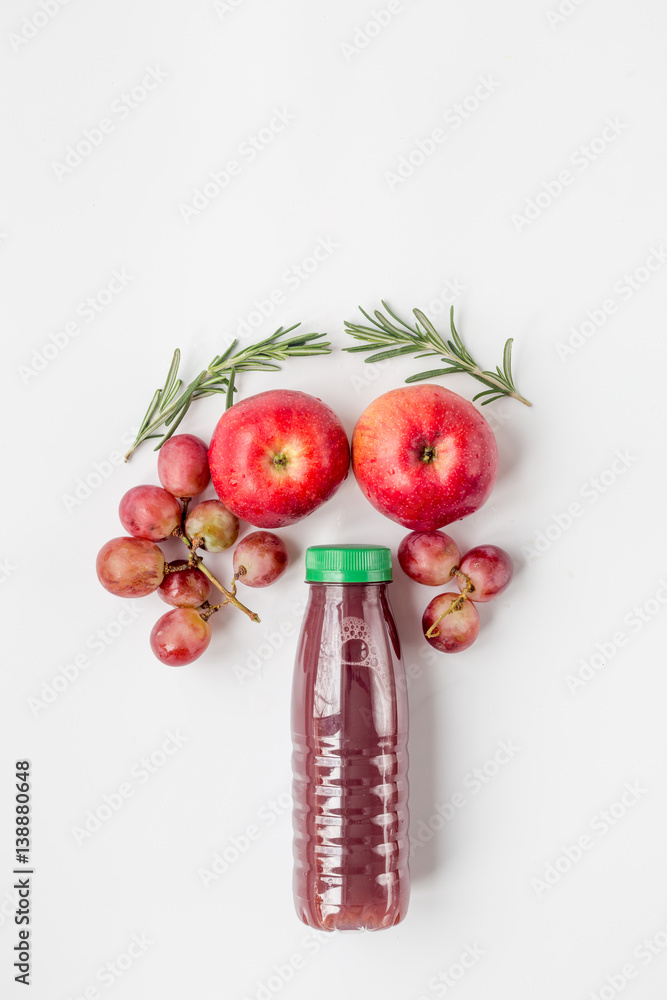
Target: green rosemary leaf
point(391, 338)
point(170, 404)
point(223, 357)
point(280, 332)
point(230, 389)
point(260, 366)
point(394, 353)
point(456, 351)
point(298, 351)
point(398, 320)
point(491, 379)
point(431, 331)
point(507, 361)
point(434, 373)
point(369, 318)
point(212, 390)
point(172, 425)
point(171, 375)
point(303, 338)
point(150, 412)
point(485, 392)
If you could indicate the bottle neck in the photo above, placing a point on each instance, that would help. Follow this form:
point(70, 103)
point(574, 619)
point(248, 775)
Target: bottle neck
point(331, 603)
point(371, 596)
point(369, 589)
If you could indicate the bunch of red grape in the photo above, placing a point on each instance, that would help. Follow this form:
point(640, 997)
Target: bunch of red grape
point(134, 565)
point(451, 621)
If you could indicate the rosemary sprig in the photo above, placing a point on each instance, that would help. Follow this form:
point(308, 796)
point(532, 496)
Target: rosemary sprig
point(170, 403)
point(423, 340)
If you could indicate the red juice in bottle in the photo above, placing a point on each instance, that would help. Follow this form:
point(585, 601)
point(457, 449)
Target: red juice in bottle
point(349, 733)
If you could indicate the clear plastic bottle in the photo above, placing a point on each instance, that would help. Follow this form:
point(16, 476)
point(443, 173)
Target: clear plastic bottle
point(350, 760)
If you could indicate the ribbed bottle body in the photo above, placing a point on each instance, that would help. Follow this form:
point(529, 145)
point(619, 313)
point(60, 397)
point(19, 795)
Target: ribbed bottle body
point(350, 762)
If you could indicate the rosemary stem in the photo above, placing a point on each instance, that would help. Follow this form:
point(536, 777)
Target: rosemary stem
point(490, 377)
point(392, 338)
point(169, 405)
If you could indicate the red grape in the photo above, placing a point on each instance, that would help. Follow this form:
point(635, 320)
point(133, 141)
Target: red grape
point(186, 588)
point(428, 557)
point(182, 465)
point(260, 558)
point(149, 512)
point(180, 637)
point(215, 526)
point(489, 570)
point(130, 567)
point(457, 630)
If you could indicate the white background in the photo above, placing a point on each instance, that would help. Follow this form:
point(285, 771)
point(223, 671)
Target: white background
point(479, 882)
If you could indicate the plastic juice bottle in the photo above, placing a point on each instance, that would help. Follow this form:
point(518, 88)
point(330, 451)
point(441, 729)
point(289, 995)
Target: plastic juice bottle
point(350, 760)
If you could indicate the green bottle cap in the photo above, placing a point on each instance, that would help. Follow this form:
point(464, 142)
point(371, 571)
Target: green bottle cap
point(348, 564)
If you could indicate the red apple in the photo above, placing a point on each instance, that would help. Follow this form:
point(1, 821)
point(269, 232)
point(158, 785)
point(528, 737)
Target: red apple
point(275, 457)
point(424, 456)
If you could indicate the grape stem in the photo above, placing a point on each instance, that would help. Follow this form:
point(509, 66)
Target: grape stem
point(195, 561)
point(456, 605)
point(467, 587)
point(205, 610)
point(170, 568)
point(230, 595)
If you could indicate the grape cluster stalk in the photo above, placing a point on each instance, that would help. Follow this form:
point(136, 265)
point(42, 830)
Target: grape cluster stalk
point(451, 621)
point(135, 566)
